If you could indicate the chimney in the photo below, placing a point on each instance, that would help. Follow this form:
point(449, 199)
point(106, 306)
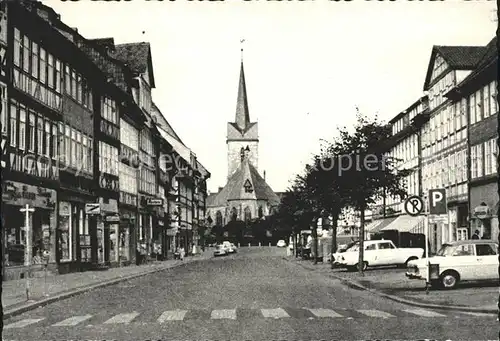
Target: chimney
point(264, 175)
point(220, 189)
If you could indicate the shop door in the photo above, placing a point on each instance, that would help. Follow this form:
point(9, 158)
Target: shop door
point(101, 248)
point(462, 233)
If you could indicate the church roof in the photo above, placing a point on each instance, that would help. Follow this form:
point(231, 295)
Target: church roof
point(245, 175)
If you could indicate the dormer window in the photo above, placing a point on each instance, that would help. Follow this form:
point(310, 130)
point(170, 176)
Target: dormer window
point(248, 186)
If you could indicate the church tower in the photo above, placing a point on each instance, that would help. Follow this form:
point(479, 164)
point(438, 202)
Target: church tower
point(242, 135)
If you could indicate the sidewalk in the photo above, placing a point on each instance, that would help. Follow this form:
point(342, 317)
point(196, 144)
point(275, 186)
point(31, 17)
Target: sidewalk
point(393, 284)
point(59, 287)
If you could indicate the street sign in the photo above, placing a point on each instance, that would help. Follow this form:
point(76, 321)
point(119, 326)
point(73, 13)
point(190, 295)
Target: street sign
point(93, 208)
point(154, 202)
point(414, 205)
point(437, 201)
point(438, 219)
point(112, 218)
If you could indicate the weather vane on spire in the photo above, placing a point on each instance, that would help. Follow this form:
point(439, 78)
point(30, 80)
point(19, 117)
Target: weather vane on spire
point(241, 43)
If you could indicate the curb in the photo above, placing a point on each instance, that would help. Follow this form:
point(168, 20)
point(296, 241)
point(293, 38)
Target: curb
point(407, 301)
point(75, 292)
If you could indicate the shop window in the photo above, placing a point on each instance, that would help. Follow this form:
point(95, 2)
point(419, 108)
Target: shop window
point(85, 246)
point(113, 243)
point(124, 238)
point(65, 232)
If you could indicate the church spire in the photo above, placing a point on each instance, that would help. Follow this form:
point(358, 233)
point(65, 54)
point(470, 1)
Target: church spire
point(242, 117)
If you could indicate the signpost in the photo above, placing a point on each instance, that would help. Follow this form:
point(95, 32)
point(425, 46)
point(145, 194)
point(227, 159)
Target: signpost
point(28, 249)
point(437, 206)
point(414, 205)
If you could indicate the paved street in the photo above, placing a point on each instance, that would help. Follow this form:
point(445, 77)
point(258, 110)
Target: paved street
point(253, 295)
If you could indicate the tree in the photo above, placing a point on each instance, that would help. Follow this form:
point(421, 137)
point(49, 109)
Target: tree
point(365, 168)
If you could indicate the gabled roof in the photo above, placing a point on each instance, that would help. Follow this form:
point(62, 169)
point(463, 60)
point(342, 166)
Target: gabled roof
point(163, 123)
point(138, 58)
point(234, 189)
point(457, 57)
point(490, 56)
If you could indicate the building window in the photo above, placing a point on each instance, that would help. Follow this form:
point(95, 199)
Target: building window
point(22, 128)
point(26, 54)
point(493, 98)
point(109, 110)
point(474, 160)
point(54, 144)
point(108, 158)
point(129, 136)
point(31, 131)
point(128, 178)
point(478, 105)
point(43, 66)
point(17, 47)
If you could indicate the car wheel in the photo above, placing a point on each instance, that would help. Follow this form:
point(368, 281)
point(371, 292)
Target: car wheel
point(409, 260)
point(365, 266)
point(449, 280)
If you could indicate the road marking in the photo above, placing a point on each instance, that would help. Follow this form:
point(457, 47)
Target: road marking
point(274, 313)
point(324, 313)
point(224, 314)
point(72, 321)
point(423, 312)
point(122, 318)
point(172, 315)
point(375, 313)
point(478, 314)
point(22, 323)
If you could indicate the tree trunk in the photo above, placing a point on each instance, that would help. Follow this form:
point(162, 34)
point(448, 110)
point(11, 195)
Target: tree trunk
point(334, 235)
point(315, 240)
point(361, 241)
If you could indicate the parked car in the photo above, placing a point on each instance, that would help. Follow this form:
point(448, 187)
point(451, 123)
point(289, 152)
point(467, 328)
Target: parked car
point(379, 253)
point(221, 250)
point(460, 261)
point(232, 248)
point(335, 257)
point(281, 243)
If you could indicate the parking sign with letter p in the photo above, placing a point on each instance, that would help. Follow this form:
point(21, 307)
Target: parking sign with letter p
point(437, 201)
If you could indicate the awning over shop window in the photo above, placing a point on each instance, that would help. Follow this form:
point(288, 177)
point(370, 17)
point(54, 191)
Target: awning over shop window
point(181, 149)
point(373, 225)
point(380, 224)
point(405, 223)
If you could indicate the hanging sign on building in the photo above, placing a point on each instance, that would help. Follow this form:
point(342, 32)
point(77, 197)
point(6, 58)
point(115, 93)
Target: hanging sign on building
point(482, 212)
point(154, 202)
point(92, 208)
point(114, 218)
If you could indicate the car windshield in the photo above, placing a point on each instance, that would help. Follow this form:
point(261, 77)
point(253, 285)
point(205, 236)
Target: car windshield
point(446, 250)
point(354, 247)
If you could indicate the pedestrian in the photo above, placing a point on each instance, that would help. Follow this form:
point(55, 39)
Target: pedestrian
point(182, 253)
point(476, 235)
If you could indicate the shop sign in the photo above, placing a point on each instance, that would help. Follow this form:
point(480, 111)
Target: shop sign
point(112, 218)
point(64, 209)
point(482, 212)
point(154, 202)
point(19, 194)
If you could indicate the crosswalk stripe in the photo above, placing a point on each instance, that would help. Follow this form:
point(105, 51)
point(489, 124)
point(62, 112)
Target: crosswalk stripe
point(122, 318)
point(274, 313)
point(224, 314)
point(423, 312)
point(375, 313)
point(22, 323)
point(72, 321)
point(324, 313)
point(172, 315)
point(478, 314)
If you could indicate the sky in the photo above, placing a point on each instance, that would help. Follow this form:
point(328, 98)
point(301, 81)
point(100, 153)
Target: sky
point(308, 65)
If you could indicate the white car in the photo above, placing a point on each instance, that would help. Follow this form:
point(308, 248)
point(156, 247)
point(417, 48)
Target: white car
point(281, 243)
point(379, 253)
point(221, 250)
point(464, 260)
